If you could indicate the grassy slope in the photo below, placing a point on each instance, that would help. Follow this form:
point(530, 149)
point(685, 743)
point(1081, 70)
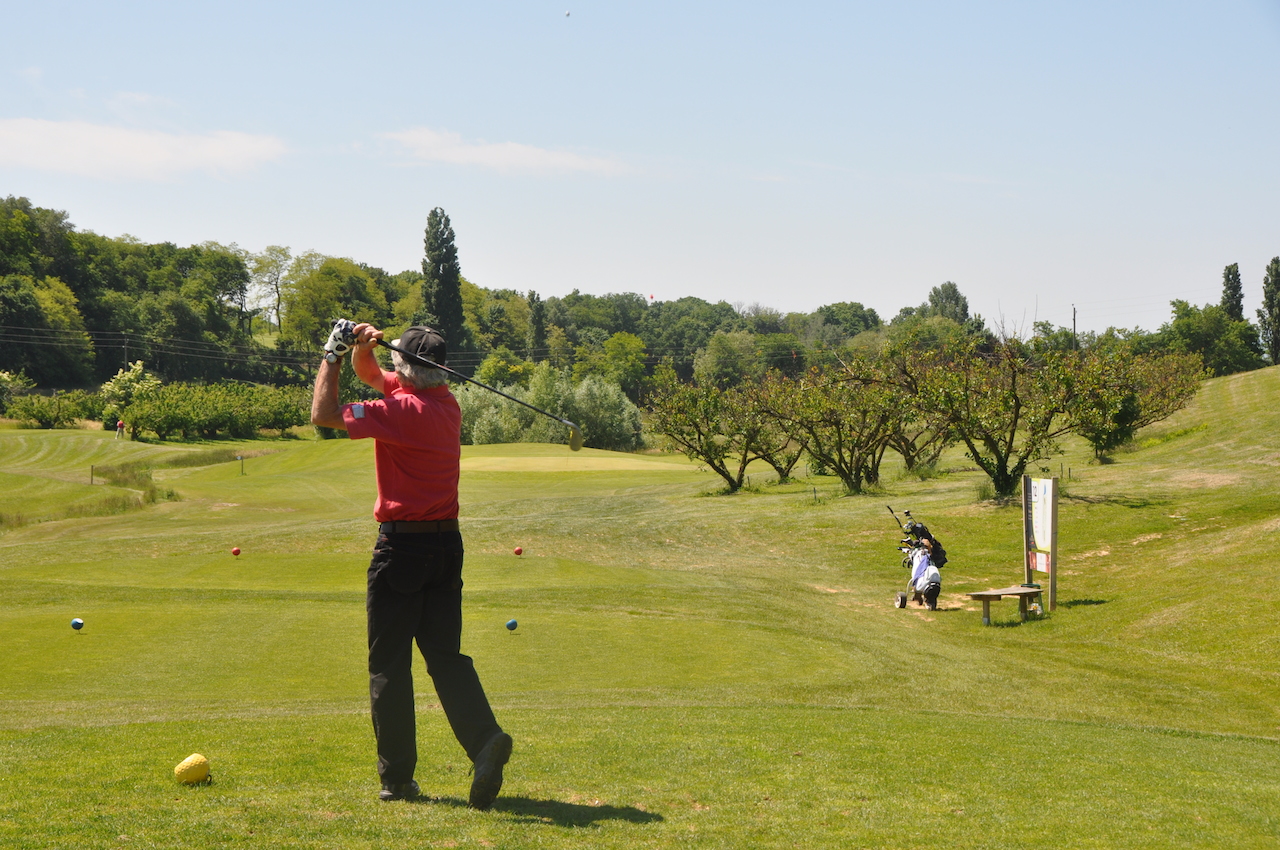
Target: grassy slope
point(688, 668)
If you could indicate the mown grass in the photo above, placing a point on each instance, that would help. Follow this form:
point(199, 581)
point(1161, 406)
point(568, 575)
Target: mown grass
point(688, 669)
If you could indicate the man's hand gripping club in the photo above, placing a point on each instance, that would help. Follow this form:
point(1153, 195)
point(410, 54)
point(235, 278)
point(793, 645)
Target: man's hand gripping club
point(340, 341)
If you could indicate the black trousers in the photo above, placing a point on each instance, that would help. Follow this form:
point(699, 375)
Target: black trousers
point(415, 595)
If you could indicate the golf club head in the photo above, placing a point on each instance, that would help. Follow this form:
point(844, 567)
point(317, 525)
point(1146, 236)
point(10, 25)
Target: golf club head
point(575, 435)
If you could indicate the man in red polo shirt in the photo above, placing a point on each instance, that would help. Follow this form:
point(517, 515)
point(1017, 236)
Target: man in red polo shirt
point(415, 576)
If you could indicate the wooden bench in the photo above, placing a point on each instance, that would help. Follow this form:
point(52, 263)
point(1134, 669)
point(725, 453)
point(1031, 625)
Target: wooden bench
point(1023, 594)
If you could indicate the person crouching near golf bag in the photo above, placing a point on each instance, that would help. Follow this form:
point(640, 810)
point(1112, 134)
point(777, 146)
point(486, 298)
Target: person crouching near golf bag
point(926, 581)
point(415, 576)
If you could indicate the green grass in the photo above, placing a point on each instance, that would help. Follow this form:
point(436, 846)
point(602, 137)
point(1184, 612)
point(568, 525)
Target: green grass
point(689, 669)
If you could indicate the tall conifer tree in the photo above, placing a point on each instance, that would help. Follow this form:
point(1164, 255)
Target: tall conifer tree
point(1232, 293)
point(442, 288)
point(1269, 315)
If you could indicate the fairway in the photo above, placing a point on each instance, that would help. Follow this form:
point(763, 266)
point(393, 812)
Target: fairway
point(690, 669)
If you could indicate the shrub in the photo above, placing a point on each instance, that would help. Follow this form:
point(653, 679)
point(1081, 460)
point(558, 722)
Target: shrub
point(12, 384)
point(55, 411)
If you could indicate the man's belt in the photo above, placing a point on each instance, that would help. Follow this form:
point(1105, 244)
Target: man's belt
point(429, 527)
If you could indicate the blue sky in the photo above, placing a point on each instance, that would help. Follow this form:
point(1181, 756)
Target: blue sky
point(1113, 155)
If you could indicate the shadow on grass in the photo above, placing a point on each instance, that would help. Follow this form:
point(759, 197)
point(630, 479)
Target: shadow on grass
point(1075, 603)
point(1015, 622)
point(555, 812)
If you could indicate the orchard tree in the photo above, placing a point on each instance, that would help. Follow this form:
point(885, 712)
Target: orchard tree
point(775, 444)
point(707, 424)
point(1119, 392)
point(1007, 406)
point(844, 423)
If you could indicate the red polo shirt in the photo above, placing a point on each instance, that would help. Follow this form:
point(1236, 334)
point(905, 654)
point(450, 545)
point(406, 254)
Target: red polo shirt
point(417, 449)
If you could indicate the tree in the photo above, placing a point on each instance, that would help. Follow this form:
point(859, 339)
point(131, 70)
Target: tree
point(12, 384)
point(317, 294)
point(43, 311)
point(775, 445)
point(947, 301)
point(120, 392)
point(850, 317)
point(502, 366)
point(782, 352)
point(1006, 405)
point(619, 359)
point(706, 424)
point(1119, 392)
point(442, 287)
point(268, 271)
point(760, 319)
point(1269, 314)
point(1232, 293)
point(918, 432)
point(536, 340)
point(1227, 346)
point(845, 424)
point(56, 411)
point(678, 329)
point(728, 360)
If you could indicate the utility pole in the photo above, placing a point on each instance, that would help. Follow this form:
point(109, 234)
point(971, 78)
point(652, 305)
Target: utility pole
point(1075, 346)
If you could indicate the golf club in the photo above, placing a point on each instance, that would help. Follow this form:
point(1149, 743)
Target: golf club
point(575, 433)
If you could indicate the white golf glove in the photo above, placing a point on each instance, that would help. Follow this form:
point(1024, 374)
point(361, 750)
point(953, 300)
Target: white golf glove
point(341, 338)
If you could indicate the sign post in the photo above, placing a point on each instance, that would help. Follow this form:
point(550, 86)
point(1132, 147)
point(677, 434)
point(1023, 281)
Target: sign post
point(1040, 531)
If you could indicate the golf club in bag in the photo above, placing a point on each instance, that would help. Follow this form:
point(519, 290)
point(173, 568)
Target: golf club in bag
point(575, 433)
point(916, 533)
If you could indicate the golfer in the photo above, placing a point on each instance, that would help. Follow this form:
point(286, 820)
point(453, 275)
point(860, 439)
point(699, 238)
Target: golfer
point(415, 576)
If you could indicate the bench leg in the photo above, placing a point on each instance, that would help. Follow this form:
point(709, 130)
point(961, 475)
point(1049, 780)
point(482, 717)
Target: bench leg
point(986, 612)
point(1022, 608)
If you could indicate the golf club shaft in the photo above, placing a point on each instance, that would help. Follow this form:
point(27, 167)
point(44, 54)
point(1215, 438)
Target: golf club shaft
point(575, 433)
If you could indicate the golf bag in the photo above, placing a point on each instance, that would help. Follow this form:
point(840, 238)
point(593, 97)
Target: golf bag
point(917, 532)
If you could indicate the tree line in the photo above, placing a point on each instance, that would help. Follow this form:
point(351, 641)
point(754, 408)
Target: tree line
point(75, 307)
point(222, 331)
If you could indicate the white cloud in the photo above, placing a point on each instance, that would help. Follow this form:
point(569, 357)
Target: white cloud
point(438, 146)
point(96, 150)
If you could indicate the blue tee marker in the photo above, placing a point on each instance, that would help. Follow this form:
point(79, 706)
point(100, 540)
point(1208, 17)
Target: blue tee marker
point(511, 625)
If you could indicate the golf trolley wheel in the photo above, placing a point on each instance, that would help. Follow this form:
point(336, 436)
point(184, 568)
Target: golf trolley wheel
point(900, 601)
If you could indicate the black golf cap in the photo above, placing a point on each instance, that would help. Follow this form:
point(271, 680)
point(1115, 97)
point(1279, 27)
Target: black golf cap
point(424, 342)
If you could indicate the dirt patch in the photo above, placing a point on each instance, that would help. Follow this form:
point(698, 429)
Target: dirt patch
point(822, 589)
point(1097, 553)
point(1146, 538)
